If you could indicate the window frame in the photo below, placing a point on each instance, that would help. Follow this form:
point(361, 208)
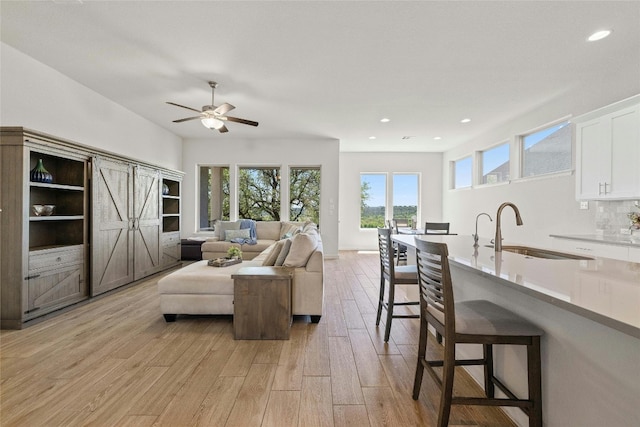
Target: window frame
point(480, 176)
point(200, 196)
point(319, 198)
point(386, 198)
point(453, 168)
point(520, 138)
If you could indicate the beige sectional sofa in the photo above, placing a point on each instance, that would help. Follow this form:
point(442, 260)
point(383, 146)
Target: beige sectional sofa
point(268, 232)
point(202, 289)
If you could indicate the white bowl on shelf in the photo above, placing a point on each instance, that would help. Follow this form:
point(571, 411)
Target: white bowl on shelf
point(43, 210)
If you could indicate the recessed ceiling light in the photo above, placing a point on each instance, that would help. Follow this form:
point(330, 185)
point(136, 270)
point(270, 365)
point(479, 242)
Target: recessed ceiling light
point(385, 120)
point(465, 120)
point(437, 138)
point(372, 137)
point(598, 35)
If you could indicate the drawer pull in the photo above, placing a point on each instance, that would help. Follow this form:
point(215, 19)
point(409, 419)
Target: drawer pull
point(35, 276)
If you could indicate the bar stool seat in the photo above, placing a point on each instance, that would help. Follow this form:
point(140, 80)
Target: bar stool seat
point(470, 322)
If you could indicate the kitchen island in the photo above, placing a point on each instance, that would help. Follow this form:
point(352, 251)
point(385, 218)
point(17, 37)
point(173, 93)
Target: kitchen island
point(590, 312)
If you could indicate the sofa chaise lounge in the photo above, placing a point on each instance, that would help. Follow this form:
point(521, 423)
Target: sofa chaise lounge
point(200, 289)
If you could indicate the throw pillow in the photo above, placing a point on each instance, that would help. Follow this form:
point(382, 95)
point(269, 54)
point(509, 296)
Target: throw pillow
point(302, 246)
point(234, 234)
point(283, 252)
point(273, 255)
point(228, 225)
point(288, 229)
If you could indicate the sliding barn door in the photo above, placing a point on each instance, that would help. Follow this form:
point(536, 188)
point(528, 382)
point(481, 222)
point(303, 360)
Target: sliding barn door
point(146, 207)
point(112, 225)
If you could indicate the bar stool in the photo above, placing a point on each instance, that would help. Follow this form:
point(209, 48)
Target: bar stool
point(399, 250)
point(395, 275)
point(470, 322)
point(436, 228)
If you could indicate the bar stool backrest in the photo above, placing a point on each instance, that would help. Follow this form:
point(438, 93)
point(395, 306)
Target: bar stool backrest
point(387, 253)
point(436, 228)
point(436, 289)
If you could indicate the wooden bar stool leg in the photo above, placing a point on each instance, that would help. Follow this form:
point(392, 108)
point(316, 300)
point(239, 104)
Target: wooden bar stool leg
point(535, 382)
point(489, 387)
point(380, 299)
point(448, 371)
point(387, 328)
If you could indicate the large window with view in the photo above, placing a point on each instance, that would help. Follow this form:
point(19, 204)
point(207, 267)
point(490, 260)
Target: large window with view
point(462, 173)
point(546, 151)
point(304, 194)
point(495, 164)
point(213, 195)
point(259, 193)
point(405, 197)
point(373, 200)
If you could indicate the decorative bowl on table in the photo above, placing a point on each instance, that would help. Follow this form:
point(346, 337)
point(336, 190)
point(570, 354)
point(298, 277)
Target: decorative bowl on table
point(43, 210)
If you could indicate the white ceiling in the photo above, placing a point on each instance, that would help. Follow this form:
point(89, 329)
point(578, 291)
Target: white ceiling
point(307, 69)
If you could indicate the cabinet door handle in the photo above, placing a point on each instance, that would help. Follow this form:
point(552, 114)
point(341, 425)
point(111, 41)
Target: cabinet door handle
point(35, 276)
point(605, 188)
point(599, 189)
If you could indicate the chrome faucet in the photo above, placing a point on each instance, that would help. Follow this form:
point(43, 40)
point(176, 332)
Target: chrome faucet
point(498, 239)
point(475, 236)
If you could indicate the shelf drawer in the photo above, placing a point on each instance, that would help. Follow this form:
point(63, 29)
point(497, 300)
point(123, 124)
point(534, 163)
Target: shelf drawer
point(56, 257)
point(169, 239)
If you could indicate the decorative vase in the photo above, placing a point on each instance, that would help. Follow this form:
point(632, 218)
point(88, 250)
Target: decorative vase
point(40, 174)
point(165, 189)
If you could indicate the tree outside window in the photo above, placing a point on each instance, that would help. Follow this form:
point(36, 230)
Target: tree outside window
point(259, 193)
point(373, 205)
point(304, 194)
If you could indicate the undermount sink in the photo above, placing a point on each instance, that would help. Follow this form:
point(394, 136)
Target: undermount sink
point(542, 253)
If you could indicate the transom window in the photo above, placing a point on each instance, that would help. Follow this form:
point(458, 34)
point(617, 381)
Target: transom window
point(547, 150)
point(462, 172)
point(495, 164)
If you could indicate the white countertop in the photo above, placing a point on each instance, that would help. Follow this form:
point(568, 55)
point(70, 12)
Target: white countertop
point(621, 240)
point(604, 290)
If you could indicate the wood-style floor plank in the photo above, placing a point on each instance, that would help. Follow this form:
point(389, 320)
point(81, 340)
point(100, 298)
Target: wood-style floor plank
point(116, 362)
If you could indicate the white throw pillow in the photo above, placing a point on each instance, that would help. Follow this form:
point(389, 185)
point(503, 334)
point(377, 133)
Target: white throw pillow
point(286, 245)
point(234, 234)
point(302, 246)
point(288, 229)
point(273, 255)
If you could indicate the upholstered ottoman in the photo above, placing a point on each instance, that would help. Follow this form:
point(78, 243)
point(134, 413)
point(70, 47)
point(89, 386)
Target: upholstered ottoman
point(197, 289)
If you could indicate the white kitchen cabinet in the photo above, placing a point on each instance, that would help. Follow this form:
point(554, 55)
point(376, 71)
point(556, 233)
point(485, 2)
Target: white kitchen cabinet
point(608, 152)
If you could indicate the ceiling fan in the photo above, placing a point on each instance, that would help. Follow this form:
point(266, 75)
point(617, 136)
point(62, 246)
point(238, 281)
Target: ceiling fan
point(213, 117)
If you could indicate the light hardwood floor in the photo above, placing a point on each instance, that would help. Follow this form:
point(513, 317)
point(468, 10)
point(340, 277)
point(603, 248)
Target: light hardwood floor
point(115, 362)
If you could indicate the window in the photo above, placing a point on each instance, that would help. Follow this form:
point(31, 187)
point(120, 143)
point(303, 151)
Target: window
point(373, 200)
point(405, 196)
point(462, 173)
point(213, 196)
point(547, 150)
point(304, 194)
point(495, 164)
point(259, 193)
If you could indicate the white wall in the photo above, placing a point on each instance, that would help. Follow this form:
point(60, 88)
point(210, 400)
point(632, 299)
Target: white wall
point(547, 205)
point(283, 153)
point(429, 165)
point(36, 96)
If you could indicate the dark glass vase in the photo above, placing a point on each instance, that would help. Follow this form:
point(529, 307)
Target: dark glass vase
point(40, 174)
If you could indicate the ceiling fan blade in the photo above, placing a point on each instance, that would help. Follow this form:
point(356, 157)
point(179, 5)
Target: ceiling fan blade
point(223, 108)
point(187, 119)
point(223, 129)
point(182, 106)
point(238, 120)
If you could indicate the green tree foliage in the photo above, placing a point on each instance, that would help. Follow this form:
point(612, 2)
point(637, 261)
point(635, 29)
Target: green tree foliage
point(304, 194)
point(259, 194)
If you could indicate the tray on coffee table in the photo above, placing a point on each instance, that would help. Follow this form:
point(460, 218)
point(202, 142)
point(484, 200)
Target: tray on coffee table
point(224, 262)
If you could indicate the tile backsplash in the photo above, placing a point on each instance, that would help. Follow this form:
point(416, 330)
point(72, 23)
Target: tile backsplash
point(611, 216)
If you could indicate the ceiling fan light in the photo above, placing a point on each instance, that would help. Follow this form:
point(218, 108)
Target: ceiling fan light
point(211, 123)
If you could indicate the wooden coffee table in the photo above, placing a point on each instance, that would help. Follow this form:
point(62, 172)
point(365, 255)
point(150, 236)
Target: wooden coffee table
point(262, 303)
